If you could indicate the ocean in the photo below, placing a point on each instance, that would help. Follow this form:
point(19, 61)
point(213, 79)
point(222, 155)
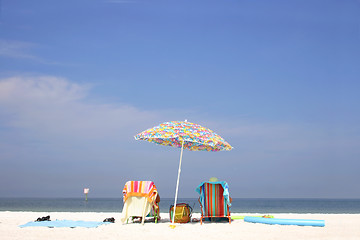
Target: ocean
point(239, 205)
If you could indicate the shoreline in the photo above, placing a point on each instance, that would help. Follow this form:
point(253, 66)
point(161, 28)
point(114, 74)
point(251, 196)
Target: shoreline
point(337, 226)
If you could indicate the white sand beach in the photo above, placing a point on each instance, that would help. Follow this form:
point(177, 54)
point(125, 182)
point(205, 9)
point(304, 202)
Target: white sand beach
point(337, 226)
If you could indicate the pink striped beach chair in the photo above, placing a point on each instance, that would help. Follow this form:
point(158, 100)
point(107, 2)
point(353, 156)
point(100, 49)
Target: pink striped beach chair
point(140, 199)
point(214, 200)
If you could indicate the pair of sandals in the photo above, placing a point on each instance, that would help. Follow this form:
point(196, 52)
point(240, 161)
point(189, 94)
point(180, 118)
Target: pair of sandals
point(112, 220)
point(139, 219)
point(41, 219)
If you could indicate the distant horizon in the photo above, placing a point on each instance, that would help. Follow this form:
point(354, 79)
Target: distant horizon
point(169, 198)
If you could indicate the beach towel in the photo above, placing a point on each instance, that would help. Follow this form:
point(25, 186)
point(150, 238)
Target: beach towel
point(64, 223)
point(214, 199)
point(140, 189)
point(139, 199)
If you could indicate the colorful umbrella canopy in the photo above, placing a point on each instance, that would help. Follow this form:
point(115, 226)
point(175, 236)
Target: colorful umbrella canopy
point(194, 136)
point(183, 134)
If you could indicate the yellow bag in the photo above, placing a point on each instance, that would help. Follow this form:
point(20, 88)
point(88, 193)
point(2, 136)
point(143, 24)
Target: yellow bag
point(182, 213)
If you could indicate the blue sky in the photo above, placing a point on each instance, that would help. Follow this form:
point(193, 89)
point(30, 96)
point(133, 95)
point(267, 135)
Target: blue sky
point(279, 80)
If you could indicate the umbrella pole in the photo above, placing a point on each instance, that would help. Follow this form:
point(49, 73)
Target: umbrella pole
point(177, 183)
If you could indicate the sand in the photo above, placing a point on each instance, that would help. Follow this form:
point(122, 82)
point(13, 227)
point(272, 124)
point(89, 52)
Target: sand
point(337, 226)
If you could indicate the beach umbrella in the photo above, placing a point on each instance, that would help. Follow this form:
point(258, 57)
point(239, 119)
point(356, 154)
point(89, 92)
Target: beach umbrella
point(184, 135)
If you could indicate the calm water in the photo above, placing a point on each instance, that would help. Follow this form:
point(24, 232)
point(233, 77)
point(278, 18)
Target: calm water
point(239, 205)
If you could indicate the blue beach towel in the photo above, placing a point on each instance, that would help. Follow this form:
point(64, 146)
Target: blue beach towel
point(64, 223)
point(225, 193)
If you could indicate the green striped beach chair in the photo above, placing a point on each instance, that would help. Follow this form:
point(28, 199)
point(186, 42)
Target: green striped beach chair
point(214, 200)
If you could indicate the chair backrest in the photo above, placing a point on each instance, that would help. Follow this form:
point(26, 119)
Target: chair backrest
point(140, 189)
point(214, 199)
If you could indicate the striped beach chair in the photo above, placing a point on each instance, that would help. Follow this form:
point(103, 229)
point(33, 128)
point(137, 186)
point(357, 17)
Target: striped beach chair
point(140, 200)
point(214, 200)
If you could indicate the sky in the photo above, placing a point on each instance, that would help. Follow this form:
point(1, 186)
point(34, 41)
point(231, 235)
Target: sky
point(279, 80)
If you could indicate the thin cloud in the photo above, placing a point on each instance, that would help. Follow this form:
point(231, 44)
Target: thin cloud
point(16, 49)
point(21, 50)
point(54, 106)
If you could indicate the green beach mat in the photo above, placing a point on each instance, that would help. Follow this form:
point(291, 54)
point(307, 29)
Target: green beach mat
point(242, 217)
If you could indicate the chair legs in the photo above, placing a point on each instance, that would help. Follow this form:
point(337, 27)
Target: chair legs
point(156, 217)
point(203, 217)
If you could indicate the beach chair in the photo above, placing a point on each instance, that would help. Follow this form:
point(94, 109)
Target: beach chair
point(214, 200)
point(140, 200)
